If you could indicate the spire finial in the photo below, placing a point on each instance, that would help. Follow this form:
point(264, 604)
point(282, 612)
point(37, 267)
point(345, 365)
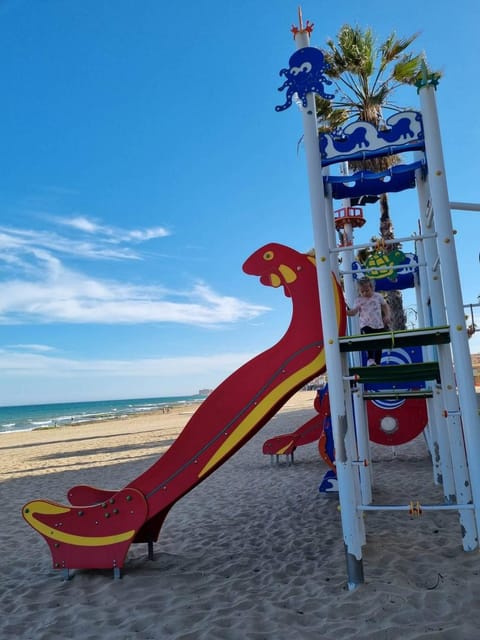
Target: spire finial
point(308, 28)
point(300, 18)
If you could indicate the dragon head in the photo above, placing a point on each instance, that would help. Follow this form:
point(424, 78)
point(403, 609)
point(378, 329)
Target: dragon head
point(278, 265)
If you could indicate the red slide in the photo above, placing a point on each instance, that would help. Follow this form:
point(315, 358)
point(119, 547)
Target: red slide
point(97, 528)
point(308, 432)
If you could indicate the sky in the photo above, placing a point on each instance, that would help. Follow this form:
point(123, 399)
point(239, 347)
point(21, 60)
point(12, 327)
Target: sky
point(143, 162)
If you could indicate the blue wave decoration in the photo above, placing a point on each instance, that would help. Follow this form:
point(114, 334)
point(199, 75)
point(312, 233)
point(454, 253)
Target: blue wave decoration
point(360, 140)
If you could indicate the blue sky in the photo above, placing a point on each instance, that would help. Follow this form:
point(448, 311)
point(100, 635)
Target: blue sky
point(143, 162)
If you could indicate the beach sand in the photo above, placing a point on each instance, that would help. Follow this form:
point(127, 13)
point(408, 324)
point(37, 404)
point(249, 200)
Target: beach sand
point(254, 552)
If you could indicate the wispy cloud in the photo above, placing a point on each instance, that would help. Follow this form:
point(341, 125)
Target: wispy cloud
point(113, 234)
point(73, 298)
point(17, 244)
point(33, 348)
point(38, 285)
point(24, 363)
point(51, 377)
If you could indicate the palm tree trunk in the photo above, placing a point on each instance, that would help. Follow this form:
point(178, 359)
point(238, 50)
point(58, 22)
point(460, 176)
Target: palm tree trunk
point(394, 298)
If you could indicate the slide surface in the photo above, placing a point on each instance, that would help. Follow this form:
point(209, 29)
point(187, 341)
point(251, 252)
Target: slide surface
point(310, 431)
point(97, 528)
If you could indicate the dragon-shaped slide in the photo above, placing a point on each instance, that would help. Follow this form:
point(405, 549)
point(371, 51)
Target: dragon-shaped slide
point(308, 432)
point(95, 531)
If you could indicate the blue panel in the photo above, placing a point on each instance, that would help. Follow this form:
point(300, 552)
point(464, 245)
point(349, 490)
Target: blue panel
point(367, 183)
point(370, 175)
point(397, 279)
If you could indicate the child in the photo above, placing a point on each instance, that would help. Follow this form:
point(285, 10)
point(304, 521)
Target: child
point(374, 314)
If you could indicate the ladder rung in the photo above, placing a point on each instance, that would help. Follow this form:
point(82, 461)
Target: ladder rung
point(406, 507)
point(397, 394)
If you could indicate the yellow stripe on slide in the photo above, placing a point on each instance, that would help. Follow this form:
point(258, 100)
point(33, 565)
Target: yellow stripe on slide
point(265, 405)
point(46, 508)
point(262, 409)
point(281, 451)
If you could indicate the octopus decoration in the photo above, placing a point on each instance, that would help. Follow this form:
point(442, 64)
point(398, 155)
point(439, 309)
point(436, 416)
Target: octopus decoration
point(305, 75)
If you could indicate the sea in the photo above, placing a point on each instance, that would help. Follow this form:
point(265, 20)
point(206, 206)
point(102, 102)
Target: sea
point(49, 416)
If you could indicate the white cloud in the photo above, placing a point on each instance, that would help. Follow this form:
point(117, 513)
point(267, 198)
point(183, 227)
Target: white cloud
point(147, 234)
point(55, 379)
point(80, 222)
point(23, 363)
point(38, 287)
point(73, 298)
point(16, 245)
point(49, 292)
point(35, 348)
point(112, 234)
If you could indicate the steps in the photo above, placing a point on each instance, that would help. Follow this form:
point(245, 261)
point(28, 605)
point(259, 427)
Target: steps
point(397, 372)
point(395, 339)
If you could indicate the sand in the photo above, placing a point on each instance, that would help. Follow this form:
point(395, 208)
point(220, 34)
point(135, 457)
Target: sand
point(252, 553)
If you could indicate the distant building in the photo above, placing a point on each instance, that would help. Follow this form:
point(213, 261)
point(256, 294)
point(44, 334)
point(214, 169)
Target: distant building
point(316, 383)
point(476, 368)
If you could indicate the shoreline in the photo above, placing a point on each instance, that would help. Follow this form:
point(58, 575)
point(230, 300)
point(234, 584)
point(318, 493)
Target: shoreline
point(152, 431)
point(179, 409)
point(186, 408)
point(175, 408)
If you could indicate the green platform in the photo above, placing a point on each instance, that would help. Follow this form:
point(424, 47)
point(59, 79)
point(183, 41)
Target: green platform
point(395, 339)
point(397, 372)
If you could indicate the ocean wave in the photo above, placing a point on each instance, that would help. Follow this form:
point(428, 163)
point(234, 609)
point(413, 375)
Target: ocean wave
point(47, 416)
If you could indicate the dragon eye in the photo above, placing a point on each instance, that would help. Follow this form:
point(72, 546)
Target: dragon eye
point(268, 255)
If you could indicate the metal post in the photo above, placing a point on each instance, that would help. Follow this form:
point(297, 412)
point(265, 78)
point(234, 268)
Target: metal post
point(361, 426)
point(344, 438)
point(456, 480)
point(433, 310)
point(452, 288)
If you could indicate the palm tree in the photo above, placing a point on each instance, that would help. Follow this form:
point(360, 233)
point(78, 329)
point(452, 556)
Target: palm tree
point(365, 76)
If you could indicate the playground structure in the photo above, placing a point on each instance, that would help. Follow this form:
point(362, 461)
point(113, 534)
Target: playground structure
point(396, 413)
point(445, 369)
point(97, 528)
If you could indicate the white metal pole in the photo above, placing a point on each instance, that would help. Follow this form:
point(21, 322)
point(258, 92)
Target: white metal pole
point(465, 206)
point(344, 438)
point(452, 288)
point(444, 406)
point(360, 413)
point(422, 292)
point(330, 223)
point(434, 310)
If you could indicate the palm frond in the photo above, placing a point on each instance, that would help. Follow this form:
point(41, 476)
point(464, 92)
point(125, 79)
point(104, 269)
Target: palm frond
point(365, 76)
